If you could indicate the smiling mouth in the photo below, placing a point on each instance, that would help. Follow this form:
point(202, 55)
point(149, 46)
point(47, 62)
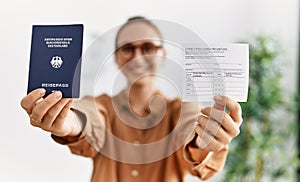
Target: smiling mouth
point(139, 70)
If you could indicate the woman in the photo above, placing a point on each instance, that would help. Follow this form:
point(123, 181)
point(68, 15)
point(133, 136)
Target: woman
point(139, 134)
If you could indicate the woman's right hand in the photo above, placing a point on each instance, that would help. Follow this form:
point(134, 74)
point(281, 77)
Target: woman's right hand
point(52, 113)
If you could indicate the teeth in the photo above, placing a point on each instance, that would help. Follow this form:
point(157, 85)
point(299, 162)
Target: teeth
point(139, 70)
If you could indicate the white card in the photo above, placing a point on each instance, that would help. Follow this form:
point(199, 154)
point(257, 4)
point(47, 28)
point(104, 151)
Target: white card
point(217, 69)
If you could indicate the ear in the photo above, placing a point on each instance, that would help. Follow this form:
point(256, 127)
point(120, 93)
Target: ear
point(164, 55)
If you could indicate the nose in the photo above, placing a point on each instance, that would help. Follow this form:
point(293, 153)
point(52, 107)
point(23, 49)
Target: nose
point(137, 52)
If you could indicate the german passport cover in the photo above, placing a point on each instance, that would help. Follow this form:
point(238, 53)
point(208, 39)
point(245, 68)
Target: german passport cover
point(55, 59)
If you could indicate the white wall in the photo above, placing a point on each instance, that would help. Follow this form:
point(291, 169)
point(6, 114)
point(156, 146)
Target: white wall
point(27, 153)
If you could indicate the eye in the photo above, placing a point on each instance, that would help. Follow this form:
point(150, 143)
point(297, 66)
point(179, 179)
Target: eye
point(127, 49)
point(149, 49)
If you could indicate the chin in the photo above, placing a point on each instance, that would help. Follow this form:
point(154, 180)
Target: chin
point(144, 81)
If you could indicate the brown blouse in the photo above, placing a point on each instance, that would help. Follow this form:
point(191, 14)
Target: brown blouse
point(155, 147)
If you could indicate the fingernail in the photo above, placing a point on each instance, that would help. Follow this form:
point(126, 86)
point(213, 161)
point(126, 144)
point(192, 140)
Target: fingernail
point(42, 91)
point(218, 98)
point(196, 123)
point(57, 94)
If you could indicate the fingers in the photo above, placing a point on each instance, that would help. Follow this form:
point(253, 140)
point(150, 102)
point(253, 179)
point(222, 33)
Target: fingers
point(31, 99)
point(58, 126)
point(206, 140)
point(224, 120)
point(54, 120)
point(215, 127)
point(212, 135)
point(50, 113)
point(55, 113)
point(41, 109)
point(220, 102)
point(234, 108)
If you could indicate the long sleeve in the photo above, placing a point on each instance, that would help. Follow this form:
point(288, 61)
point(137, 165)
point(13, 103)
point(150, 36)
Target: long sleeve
point(211, 163)
point(200, 162)
point(177, 124)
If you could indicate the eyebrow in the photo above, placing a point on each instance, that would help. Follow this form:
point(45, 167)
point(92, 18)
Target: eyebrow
point(150, 42)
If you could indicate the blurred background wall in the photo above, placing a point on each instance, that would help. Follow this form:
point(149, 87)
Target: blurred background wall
point(27, 153)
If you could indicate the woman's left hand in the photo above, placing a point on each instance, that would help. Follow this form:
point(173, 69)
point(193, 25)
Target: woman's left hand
point(215, 127)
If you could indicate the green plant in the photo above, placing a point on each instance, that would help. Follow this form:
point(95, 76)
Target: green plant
point(262, 152)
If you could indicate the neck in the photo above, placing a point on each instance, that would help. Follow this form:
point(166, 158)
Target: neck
point(139, 95)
